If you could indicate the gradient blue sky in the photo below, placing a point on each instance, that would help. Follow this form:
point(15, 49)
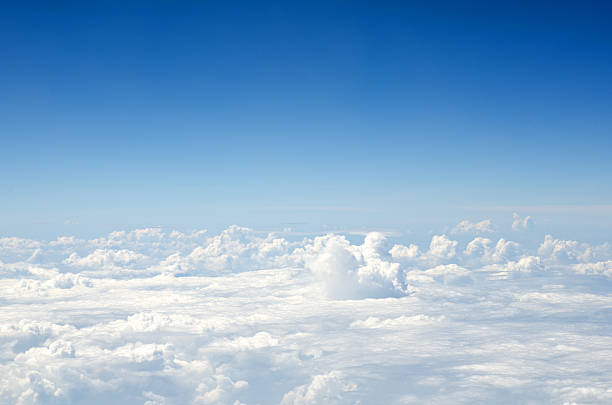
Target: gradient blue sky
point(322, 114)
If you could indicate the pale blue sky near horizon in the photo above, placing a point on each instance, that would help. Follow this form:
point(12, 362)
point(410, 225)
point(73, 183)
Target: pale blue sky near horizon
point(343, 115)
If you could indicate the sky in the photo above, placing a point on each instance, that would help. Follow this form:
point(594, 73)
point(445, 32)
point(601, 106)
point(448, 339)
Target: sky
point(398, 116)
point(305, 203)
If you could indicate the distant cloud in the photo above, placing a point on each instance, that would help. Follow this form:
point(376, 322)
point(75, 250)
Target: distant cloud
point(441, 247)
point(519, 224)
point(484, 226)
point(323, 389)
point(164, 317)
point(349, 271)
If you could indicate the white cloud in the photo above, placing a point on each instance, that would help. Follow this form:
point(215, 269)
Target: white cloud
point(104, 258)
point(324, 389)
point(156, 316)
point(563, 251)
point(597, 268)
point(219, 391)
point(349, 271)
point(399, 322)
point(485, 226)
point(13, 249)
point(482, 250)
point(521, 223)
point(258, 341)
point(442, 248)
point(400, 252)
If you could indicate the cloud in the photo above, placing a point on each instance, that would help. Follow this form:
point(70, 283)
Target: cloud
point(14, 249)
point(597, 268)
point(219, 390)
point(104, 258)
point(485, 226)
point(559, 251)
point(520, 224)
point(483, 251)
point(400, 252)
point(348, 271)
point(234, 249)
point(258, 341)
point(441, 248)
point(324, 389)
point(156, 316)
point(399, 322)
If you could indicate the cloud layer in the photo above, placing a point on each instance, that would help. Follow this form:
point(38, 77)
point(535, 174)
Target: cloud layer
point(162, 317)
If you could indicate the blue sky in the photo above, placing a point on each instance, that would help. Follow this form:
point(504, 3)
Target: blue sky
point(342, 115)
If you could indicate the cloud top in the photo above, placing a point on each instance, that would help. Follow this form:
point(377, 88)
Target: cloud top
point(164, 317)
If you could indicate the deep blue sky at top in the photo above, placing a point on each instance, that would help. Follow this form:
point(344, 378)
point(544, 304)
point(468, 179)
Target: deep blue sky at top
point(352, 113)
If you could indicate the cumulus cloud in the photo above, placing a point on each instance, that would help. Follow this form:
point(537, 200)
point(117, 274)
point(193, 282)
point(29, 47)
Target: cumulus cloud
point(400, 252)
point(234, 249)
point(442, 248)
point(483, 250)
point(324, 389)
point(561, 251)
point(597, 268)
point(102, 258)
point(349, 271)
point(521, 223)
point(13, 249)
point(485, 226)
point(156, 316)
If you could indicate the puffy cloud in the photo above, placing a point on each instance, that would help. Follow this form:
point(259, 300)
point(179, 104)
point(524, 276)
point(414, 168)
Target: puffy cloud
point(485, 226)
point(521, 223)
point(324, 389)
point(483, 250)
point(145, 235)
point(401, 252)
point(65, 241)
point(348, 271)
point(478, 247)
point(234, 249)
point(156, 316)
point(447, 273)
point(525, 264)
point(54, 280)
point(597, 268)
point(442, 248)
point(506, 250)
point(104, 258)
point(563, 251)
point(219, 390)
point(258, 341)
point(14, 249)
